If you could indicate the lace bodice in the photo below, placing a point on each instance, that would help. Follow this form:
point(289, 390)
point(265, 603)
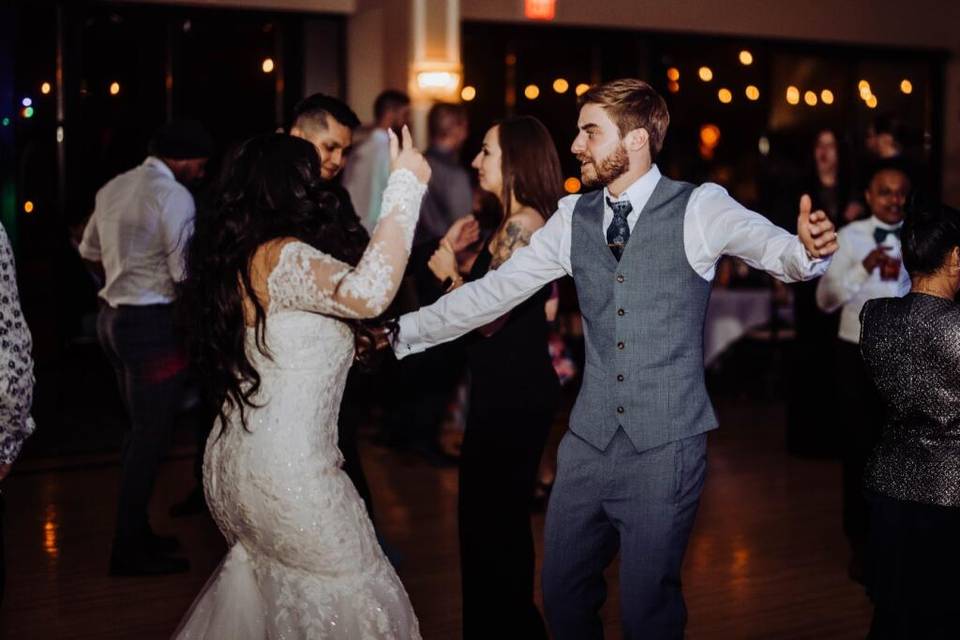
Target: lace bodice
point(307, 279)
point(297, 527)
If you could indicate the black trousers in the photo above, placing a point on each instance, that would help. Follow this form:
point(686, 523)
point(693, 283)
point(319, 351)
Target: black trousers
point(912, 567)
point(499, 459)
point(356, 398)
point(150, 367)
point(861, 410)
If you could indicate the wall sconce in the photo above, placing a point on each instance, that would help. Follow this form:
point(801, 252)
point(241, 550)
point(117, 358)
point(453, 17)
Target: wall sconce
point(437, 80)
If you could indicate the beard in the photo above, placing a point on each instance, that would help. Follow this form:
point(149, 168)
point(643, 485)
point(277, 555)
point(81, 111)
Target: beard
point(606, 171)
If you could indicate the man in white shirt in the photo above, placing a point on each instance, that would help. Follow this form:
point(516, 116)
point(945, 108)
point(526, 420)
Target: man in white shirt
point(136, 239)
point(642, 251)
point(868, 265)
point(366, 173)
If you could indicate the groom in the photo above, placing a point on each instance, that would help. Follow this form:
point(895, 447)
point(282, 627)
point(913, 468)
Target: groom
point(642, 249)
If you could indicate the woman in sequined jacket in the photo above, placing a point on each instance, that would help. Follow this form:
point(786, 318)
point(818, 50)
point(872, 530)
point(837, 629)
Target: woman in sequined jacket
point(911, 348)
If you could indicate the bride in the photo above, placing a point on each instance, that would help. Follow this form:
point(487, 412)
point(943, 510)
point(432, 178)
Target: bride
point(278, 279)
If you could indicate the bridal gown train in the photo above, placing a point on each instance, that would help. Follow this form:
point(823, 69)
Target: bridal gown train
point(304, 561)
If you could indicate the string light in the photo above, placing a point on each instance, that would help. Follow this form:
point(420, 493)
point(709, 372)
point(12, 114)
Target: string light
point(793, 95)
point(810, 98)
point(532, 92)
point(705, 73)
point(872, 102)
point(114, 88)
point(673, 74)
point(571, 185)
point(560, 85)
point(28, 207)
point(724, 95)
point(267, 65)
point(826, 96)
point(468, 93)
point(746, 58)
point(906, 86)
point(28, 112)
point(710, 135)
point(45, 88)
point(582, 89)
point(752, 92)
point(26, 102)
point(673, 87)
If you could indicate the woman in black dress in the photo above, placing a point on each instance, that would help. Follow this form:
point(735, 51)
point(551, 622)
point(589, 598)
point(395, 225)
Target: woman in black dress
point(513, 394)
point(911, 349)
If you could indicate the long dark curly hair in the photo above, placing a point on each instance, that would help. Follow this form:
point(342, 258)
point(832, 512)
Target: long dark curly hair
point(270, 188)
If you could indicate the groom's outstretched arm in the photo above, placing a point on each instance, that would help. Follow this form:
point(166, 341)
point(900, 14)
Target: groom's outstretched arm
point(477, 303)
point(719, 225)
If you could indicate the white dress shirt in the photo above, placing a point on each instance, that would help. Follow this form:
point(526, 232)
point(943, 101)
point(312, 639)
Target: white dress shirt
point(366, 174)
point(139, 229)
point(847, 283)
point(714, 225)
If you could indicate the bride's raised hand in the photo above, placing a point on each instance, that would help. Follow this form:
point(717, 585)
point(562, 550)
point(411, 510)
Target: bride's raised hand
point(403, 155)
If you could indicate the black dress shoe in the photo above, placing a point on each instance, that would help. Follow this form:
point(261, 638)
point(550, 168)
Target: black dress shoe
point(145, 563)
point(191, 505)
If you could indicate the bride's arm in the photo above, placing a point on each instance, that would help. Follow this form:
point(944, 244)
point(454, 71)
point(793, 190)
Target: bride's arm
point(308, 279)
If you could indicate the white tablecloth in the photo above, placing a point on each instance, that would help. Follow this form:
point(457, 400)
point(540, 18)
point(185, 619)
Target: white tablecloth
point(730, 314)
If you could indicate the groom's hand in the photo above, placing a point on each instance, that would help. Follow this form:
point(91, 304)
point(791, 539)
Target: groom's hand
point(815, 230)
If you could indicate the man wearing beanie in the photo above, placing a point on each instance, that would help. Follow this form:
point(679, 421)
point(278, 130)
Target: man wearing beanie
point(136, 240)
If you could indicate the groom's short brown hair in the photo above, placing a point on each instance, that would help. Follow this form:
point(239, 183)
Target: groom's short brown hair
point(632, 104)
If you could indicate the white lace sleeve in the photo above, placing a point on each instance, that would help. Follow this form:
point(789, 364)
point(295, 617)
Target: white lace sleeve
point(308, 279)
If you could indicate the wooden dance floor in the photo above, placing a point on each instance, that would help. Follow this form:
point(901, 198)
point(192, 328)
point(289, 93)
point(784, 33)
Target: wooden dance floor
point(767, 558)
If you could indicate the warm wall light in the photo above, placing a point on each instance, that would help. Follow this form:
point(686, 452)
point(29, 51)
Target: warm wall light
point(114, 88)
point(468, 93)
point(826, 96)
point(560, 85)
point(531, 91)
point(45, 88)
point(724, 96)
point(267, 65)
point(571, 185)
point(810, 98)
point(746, 58)
point(673, 74)
point(752, 92)
point(705, 73)
point(433, 80)
point(540, 9)
point(582, 89)
point(906, 86)
point(793, 95)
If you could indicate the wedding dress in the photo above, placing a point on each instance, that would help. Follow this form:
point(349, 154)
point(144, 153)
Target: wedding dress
point(304, 561)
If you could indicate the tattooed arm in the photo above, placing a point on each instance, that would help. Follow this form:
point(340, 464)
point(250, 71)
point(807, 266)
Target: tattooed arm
point(514, 235)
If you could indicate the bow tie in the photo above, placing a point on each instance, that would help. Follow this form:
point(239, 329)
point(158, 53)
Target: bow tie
point(880, 234)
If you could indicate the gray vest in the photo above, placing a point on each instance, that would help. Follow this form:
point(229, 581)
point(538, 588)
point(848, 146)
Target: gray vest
point(643, 325)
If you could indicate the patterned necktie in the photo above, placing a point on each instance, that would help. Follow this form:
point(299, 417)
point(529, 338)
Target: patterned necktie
point(618, 233)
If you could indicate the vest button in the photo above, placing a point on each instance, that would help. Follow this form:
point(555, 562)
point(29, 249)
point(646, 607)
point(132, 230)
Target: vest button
point(620, 345)
point(619, 377)
point(620, 312)
point(619, 409)
point(619, 277)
